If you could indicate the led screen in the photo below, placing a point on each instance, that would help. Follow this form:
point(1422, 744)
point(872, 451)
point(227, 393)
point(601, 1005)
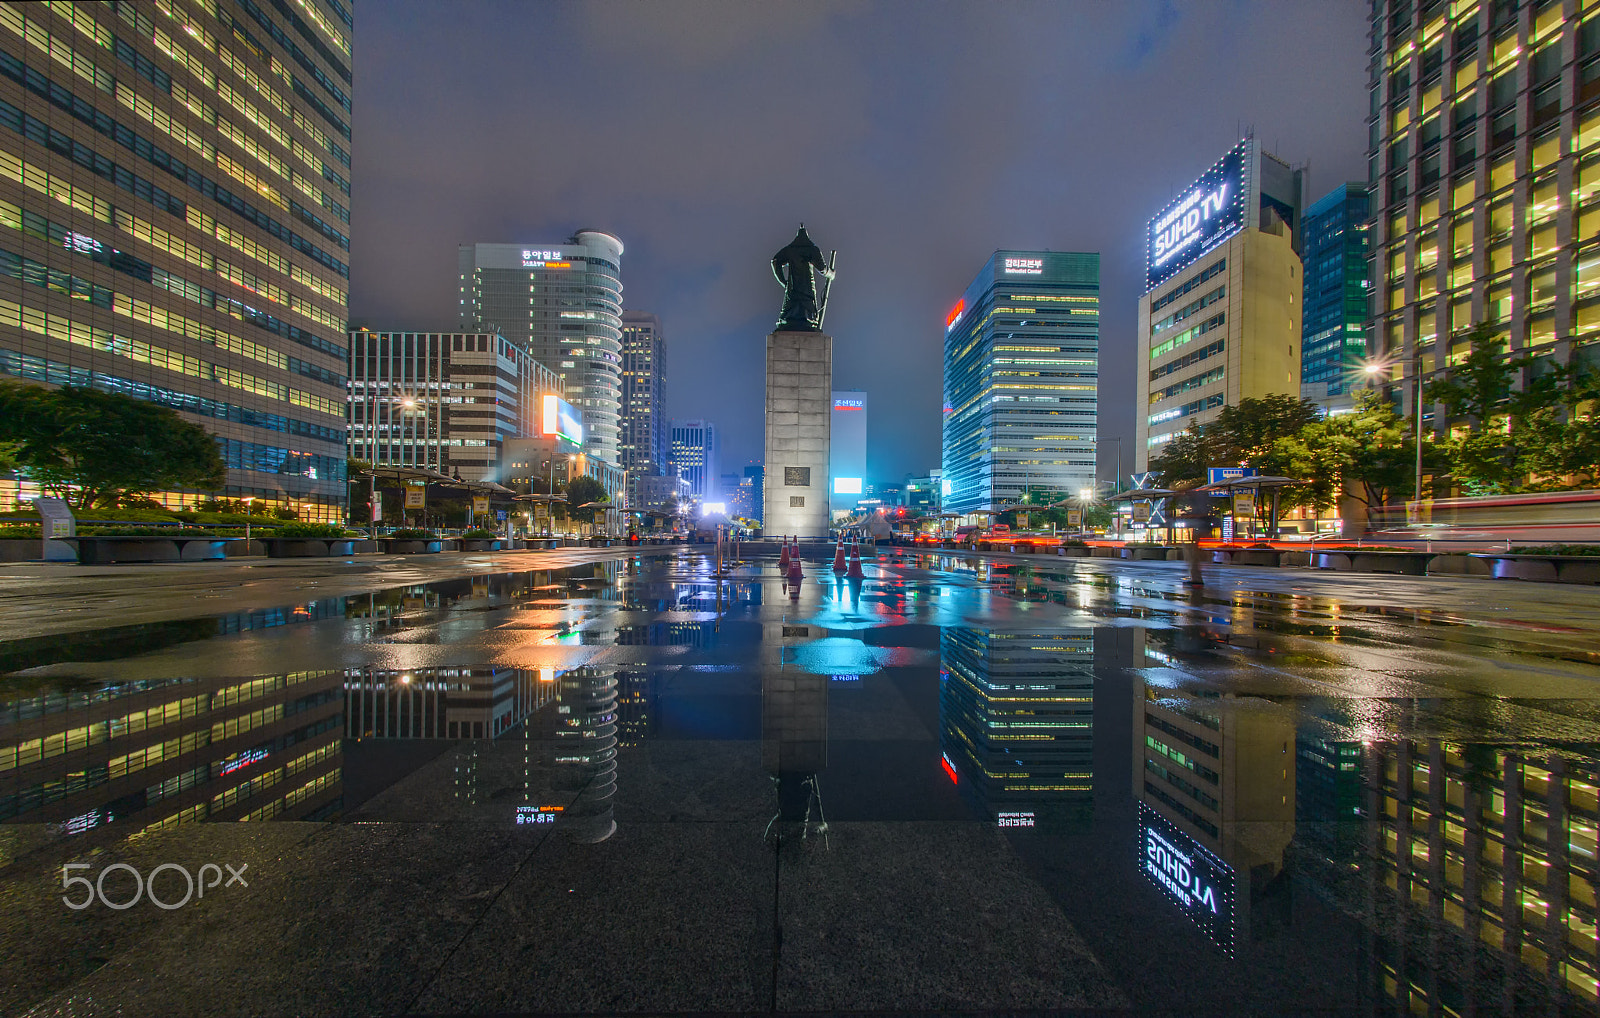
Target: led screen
point(1208, 212)
point(847, 485)
point(561, 419)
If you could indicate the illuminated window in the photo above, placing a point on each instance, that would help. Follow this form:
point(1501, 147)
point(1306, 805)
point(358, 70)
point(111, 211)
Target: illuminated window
point(1588, 180)
point(1588, 132)
point(1397, 296)
point(1587, 268)
point(1428, 250)
point(1498, 307)
point(1461, 238)
point(1542, 241)
point(1546, 150)
point(1500, 220)
point(1397, 261)
point(1502, 173)
point(1542, 329)
point(1461, 315)
point(1466, 192)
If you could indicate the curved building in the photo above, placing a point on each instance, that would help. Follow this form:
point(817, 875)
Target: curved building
point(564, 302)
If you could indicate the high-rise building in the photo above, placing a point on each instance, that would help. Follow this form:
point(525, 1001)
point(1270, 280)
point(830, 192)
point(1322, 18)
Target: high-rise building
point(446, 401)
point(847, 449)
point(1333, 309)
point(1220, 318)
point(1484, 156)
point(694, 457)
point(563, 302)
point(755, 477)
point(176, 195)
point(1021, 370)
point(644, 448)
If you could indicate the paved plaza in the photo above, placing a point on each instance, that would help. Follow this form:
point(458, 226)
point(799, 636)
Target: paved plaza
point(967, 783)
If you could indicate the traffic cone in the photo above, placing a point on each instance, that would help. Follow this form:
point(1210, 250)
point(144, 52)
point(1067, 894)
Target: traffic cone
point(855, 562)
point(795, 573)
point(783, 557)
point(839, 565)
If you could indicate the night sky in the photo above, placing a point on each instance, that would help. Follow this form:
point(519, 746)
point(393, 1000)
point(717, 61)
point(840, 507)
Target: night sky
point(915, 136)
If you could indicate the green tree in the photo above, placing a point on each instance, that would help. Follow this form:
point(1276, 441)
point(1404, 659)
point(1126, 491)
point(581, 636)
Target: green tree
point(1526, 422)
point(1369, 454)
point(580, 491)
point(1245, 434)
point(94, 448)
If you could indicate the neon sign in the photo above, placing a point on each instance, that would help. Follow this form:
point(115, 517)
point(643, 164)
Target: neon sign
point(849, 404)
point(949, 768)
point(955, 314)
point(1014, 820)
point(1024, 266)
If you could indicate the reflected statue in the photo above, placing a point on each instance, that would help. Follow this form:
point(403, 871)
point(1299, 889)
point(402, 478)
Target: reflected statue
point(795, 266)
point(794, 744)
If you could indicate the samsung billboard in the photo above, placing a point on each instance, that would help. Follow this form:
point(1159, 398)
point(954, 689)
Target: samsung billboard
point(1198, 883)
point(1209, 211)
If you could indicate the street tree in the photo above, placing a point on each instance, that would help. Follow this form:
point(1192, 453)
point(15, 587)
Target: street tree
point(94, 448)
point(581, 491)
point(1368, 454)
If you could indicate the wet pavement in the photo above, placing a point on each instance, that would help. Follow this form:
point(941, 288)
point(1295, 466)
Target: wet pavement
point(959, 785)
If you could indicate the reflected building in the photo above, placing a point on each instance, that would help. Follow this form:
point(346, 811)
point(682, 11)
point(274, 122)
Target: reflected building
point(794, 731)
point(586, 751)
point(141, 756)
point(440, 703)
point(1215, 778)
point(1017, 722)
point(1481, 875)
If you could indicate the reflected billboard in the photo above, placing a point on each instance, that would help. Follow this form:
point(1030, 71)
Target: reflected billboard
point(1195, 879)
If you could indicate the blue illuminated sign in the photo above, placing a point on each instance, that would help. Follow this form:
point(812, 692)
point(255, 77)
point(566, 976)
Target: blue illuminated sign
point(1199, 882)
point(1209, 211)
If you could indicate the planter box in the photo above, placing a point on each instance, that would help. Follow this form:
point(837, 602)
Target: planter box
point(480, 544)
point(410, 545)
point(1258, 557)
point(308, 547)
point(1548, 568)
point(1337, 560)
point(1150, 554)
point(1073, 552)
point(21, 549)
point(1459, 565)
point(1096, 551)
point(107, 550)
point(238, 547)
point(1404, 563)
point(1294, 558)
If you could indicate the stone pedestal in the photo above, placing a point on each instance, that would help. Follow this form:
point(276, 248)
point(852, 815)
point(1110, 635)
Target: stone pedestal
point(799, 407)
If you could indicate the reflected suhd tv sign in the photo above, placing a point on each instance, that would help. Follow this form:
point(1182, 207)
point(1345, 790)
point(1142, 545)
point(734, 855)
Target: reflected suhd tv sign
point(1208, 212)
point(1199, 883)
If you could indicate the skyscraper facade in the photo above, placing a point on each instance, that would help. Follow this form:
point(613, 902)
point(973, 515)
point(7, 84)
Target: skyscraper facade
point(446, 401)
point(644, 446)
point(1484, 156)
point(176, 217)
point(1021, 370)
point(1220, 318)
point(563, 303)
point(1333, 309)
point(694, 457)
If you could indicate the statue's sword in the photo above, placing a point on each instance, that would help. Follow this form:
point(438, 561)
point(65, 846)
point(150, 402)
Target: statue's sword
point(822, 308)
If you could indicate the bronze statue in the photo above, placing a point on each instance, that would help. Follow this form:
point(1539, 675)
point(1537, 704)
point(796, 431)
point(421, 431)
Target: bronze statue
point(793, 268)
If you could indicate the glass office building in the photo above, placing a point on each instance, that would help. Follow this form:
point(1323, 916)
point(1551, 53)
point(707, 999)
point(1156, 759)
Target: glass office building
point(694, 458)
point(563, 302)
point(644, 448)
point(1021, 369)
point(1333, 313)
point(1484, 155)
point(174, 224)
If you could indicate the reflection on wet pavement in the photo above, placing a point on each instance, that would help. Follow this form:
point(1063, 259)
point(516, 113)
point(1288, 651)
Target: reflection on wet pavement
point(954, 785)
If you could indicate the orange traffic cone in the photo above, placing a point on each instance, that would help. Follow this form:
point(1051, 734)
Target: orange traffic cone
point(795, 573)
point(839, 565)
point(783, 557)
point(855, 562)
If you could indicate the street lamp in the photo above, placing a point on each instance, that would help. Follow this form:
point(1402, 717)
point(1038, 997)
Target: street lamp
point(248, 500)
point(1416, 406)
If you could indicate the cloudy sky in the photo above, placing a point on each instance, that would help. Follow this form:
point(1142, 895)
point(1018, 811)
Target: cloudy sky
point(915, 136)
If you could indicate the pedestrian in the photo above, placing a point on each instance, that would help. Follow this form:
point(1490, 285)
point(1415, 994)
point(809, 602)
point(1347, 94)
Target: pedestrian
point(1198, 512)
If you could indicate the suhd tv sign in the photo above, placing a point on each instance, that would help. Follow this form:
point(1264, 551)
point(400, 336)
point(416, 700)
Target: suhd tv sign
point(1201, 884)
point(1208, 212)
